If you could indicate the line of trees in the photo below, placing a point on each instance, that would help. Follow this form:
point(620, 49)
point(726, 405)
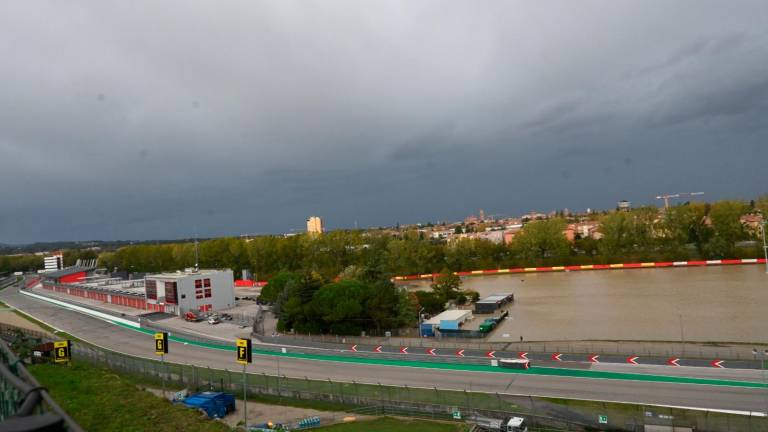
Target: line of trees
point(688, 231)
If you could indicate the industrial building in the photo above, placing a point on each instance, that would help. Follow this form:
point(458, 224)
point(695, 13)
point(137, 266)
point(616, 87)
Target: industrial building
point(448, 320)
point(490, 304)
point(192, 290)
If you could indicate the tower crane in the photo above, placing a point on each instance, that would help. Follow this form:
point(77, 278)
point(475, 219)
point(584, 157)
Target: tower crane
point(677, 195)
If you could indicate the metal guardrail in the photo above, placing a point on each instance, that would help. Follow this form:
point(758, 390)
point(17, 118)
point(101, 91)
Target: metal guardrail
point(26, 405)
point(434, 403)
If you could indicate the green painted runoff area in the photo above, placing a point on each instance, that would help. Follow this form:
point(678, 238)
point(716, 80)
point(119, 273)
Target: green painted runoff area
point(561, 372)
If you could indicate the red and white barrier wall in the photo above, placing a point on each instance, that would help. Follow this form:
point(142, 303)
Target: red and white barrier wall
point(591, 267)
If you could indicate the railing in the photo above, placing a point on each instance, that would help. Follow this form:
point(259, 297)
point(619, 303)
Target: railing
point(25, 404)
point(430, 403)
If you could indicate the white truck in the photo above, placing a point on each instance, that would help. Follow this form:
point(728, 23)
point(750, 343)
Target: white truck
point(510, 424)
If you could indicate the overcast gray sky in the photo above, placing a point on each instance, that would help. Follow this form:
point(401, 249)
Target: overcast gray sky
point(145, 119)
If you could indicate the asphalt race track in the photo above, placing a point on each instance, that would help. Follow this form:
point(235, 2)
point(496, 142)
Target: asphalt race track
point(648, 391)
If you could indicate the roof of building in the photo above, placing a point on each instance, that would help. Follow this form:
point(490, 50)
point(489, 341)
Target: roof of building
point(494, 298)
point(452, 314)
point(184, 274)
point(66, 272)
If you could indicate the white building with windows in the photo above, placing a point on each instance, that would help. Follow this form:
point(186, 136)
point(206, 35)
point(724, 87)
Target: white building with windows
point(53, 262)
point(191, 290)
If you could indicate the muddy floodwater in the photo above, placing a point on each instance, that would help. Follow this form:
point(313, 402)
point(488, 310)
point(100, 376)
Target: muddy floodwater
point(706, 304)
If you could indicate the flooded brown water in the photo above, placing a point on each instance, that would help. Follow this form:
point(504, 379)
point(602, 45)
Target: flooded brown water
point(706, 304)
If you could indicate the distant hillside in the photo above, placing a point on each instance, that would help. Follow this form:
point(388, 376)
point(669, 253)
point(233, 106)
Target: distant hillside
point(7, 249)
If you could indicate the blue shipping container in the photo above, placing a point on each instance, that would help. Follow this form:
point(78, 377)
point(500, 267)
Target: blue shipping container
point(449, 325)
point(427, 330)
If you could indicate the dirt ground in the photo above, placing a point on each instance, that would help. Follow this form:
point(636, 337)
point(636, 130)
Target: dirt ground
point(11, 318)
point(263, 413)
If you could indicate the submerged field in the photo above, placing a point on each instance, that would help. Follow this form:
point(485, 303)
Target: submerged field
point(705, 304)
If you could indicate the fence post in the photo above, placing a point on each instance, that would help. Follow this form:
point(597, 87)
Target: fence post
point(195, 377)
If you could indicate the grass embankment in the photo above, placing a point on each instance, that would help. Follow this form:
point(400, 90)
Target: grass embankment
point(100, 400)
point(388, 424)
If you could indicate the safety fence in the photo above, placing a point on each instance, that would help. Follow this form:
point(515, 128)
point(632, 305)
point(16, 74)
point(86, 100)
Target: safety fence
point(431, 403)
point(24, 404)
point(8, 281)
point(421, 402)
point(578, 349)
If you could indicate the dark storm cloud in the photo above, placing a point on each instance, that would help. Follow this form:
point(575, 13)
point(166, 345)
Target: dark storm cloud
point(160, 120)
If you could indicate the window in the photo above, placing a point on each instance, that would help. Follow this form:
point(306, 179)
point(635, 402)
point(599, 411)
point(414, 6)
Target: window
point(151, 288)
point(207, 283)
point(198, 283)
point(208, 293)
point(170, 293)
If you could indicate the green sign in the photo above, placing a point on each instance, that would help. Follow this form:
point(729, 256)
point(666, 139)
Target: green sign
point(457, 415)
point(602, 419)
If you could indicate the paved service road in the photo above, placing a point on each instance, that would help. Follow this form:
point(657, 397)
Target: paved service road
point(131, 342)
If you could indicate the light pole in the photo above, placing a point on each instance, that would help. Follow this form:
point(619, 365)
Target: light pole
point(419, 329)
point(765, 246)
point(762, 355)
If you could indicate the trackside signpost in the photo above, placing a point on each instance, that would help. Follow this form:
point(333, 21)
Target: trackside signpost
point(62, 351)
point(161, 344)
point(244, 354)
point(161, 349)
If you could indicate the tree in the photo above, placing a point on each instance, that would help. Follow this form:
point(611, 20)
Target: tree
point(430, 301)
point(726, 223)
point(617, 232)
point(541, 239)
point(276, 285)
point(472, 295)
point(341, 305)
point(762, 205)
point(352, 273)
point(686, 224)
point(446, 285)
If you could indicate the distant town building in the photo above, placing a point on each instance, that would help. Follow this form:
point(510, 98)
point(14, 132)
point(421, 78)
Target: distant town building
point(510, 232)
point(314, 225)
point(624, 205)
point(196, 291)
point(53, 262)
point(588, 229)
point(533, 216)
point(570, 232)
